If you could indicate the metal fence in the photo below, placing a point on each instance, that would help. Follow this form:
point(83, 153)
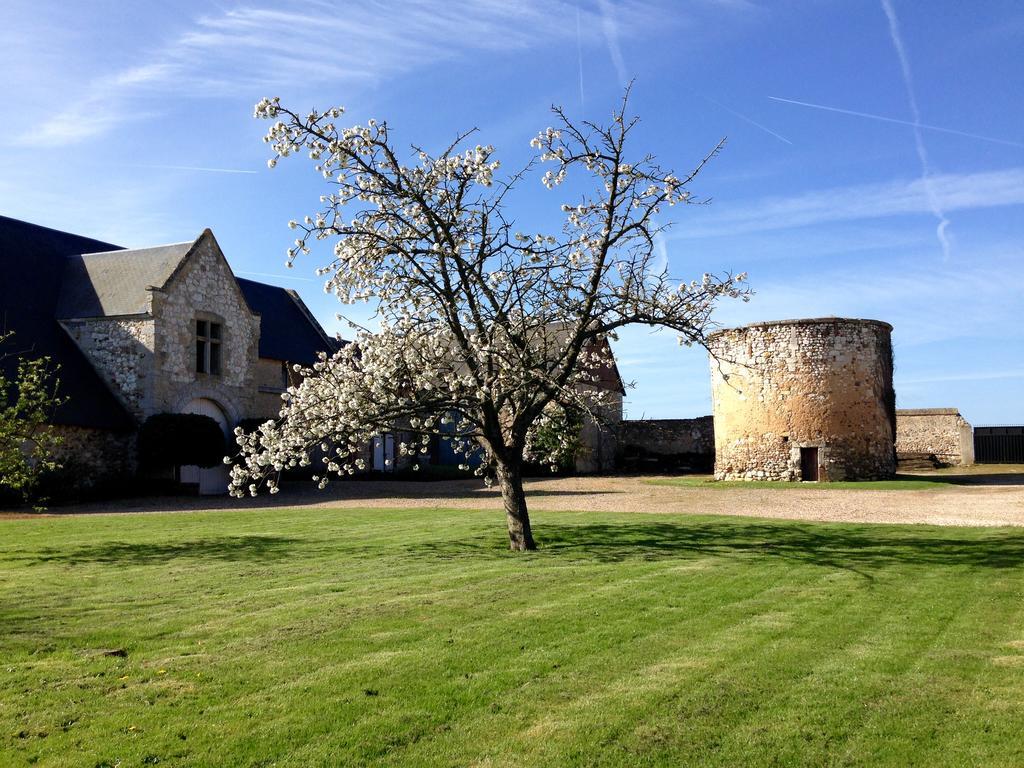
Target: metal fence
point(999, 445)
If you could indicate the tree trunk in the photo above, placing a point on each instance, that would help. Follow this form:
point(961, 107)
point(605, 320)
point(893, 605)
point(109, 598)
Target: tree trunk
point(520, 535)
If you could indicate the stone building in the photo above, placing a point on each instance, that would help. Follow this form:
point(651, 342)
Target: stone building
point(804, 400)
point(154, 330)
point(170, 329)
point(599, 436)
point(941, 433)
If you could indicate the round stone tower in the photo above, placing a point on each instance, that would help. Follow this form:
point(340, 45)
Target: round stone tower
point(804, 400)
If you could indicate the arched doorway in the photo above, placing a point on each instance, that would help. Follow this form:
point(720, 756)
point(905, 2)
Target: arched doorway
point(212, 480)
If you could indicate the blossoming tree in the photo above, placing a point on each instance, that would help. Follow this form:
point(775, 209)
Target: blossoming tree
point(488, 336)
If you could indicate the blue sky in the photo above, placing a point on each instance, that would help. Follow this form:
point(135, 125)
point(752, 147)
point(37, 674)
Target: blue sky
point(131, 122)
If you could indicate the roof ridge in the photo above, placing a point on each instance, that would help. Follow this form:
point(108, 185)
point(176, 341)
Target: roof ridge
point(57, 231)
point(122, 251)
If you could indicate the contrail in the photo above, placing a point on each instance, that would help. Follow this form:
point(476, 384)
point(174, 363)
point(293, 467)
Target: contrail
point(922, 153)
point(579, 52)
point(743, 117)
point(274, 274)
point(194, 168)
point(898, 122)
point(610, 27)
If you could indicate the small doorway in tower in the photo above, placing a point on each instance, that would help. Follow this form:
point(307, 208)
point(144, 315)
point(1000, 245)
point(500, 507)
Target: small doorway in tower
point(809, 465)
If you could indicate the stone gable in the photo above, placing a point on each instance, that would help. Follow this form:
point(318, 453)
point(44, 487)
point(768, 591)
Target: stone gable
point(203, 287)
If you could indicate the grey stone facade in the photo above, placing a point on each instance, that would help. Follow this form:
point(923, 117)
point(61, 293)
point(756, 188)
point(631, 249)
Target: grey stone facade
point(272, 379)
point(95, 456)
point(148, 360)
point(204, 288)
point(121, 349)
point(599, 438)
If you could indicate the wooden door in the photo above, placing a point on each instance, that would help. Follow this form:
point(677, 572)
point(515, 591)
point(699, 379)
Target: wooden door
point(809, 465)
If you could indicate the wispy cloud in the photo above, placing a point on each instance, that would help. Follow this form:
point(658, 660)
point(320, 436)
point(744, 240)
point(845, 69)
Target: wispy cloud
point(941, 230)
point(884, 119)
point(950, 192)
point(966, 376)
point(610, 28)
point(256, 50)
point(908, 292)
point(195, 168)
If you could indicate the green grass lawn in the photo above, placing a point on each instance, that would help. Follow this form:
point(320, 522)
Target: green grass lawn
point(345, 638)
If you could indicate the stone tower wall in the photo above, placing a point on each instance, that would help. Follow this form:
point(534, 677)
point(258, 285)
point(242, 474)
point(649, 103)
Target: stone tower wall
point(782, 386)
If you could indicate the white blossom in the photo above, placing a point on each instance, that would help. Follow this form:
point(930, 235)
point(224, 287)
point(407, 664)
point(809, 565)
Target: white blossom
point(492, 338)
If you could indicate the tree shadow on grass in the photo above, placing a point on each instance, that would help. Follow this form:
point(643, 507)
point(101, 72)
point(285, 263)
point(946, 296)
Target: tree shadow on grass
point(229, 548)
point(853, 548)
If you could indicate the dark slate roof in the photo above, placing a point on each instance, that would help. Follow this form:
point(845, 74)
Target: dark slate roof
point(115, 282)
point(290, 332)
point(32, 260)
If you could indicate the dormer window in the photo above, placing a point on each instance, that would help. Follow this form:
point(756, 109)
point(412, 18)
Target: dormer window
point(208, 339)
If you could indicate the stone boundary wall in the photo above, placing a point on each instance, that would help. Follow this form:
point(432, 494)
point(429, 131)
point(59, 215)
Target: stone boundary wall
point(942, 432)
point(669, 436)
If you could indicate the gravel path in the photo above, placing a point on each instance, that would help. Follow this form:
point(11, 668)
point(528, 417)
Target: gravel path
point(997, 500)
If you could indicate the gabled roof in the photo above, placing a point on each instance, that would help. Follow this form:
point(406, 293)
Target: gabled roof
point(290, 332)
point(32, 260)
point(50, 276)
point(115, 282)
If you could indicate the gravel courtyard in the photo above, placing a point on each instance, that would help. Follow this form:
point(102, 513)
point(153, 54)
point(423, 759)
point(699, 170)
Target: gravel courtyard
point(988, 498)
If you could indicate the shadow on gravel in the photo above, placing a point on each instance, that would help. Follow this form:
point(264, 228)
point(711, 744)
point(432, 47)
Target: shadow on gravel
point(848, 547)
point(997, 478)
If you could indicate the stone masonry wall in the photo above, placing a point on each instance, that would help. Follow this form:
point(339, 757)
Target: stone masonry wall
point(669, 436)
point(782, 386)
point(939, 431)
point(121, 349)
point(598, 441)
point(95, 455)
